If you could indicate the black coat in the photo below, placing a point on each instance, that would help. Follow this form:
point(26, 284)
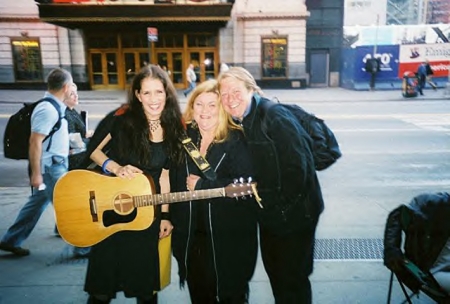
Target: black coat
point(427, 228)
point(76, 124)
point(231, 224)
point(284, 168)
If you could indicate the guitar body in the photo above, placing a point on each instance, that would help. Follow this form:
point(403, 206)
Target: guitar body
point(90, 206)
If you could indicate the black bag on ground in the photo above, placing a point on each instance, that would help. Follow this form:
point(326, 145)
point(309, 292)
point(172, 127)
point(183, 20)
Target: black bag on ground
point(16, 139)
point(325, 146)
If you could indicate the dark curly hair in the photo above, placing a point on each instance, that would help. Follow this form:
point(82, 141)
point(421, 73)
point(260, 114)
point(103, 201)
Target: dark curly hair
point(136, 130)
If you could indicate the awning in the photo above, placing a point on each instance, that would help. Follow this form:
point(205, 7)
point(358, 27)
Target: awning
point(159, 15)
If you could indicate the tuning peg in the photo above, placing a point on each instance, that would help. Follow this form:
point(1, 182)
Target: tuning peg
point(241, 180)
point(235, 181)
point(249, 180)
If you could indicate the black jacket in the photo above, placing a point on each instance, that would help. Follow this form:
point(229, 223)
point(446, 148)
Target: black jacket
point(231, 224)
point(426, 223)
point(284, 168)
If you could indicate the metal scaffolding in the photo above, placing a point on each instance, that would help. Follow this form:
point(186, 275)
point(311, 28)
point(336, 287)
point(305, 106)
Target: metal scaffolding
point(406, 11)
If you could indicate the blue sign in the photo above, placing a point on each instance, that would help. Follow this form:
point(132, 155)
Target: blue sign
point(388, 55)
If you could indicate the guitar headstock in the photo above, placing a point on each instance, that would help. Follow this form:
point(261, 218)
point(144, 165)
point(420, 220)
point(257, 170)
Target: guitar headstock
point(242, 188)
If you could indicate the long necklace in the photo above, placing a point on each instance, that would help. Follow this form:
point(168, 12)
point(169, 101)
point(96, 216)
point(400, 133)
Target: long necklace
point(154, 124)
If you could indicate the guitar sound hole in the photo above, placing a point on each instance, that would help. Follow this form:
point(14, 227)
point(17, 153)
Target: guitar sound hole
point(111, 218)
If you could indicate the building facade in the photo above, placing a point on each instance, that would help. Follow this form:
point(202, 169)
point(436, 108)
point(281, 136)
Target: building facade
point(324, 32)
point(104, 42)
point(365, 12)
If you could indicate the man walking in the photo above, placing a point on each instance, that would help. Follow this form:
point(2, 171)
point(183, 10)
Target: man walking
point(191, 78)
point(422, 76)
point(48, 160)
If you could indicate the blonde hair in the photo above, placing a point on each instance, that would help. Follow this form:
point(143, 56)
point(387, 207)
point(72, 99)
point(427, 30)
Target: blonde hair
point(243, 76)
point(226, 122)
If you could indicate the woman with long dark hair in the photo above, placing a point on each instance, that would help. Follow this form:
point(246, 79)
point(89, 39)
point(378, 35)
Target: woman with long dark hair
point(143, 137)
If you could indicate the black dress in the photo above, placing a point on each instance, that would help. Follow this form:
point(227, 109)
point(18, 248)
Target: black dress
point(128, 261)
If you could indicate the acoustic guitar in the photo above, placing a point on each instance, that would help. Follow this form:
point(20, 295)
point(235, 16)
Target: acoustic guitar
point(90, 206)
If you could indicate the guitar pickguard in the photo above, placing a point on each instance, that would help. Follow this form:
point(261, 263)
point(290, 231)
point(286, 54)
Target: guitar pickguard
point(110, 217)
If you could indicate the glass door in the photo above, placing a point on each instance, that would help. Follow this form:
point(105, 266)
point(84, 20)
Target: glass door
point(204, 64)
point(177, 69)
point(172, 62)
point(133, 62)
point(104, 70)
point(209, 65)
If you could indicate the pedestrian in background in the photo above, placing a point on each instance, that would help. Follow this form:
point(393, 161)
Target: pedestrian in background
point(144, 137)
point(48, 160)
point(78, 139)
point(430, 73)
point(78, 135)
point(214, 240)
point(191, 79)
point(421, 76)
point(287, 183)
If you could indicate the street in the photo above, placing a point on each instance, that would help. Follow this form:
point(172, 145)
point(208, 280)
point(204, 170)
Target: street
point(392, 151)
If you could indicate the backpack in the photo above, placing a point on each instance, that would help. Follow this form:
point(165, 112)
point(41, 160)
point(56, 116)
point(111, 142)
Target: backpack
point(325, 147)
point(18, 130)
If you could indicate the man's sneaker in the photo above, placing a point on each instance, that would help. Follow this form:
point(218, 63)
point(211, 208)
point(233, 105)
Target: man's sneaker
point(19, 251)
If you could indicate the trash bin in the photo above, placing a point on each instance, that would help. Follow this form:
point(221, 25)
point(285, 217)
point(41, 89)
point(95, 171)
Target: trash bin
point(409, 84)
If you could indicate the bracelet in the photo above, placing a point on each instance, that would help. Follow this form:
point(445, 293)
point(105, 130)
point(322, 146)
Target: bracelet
point(104, 166)
point(165, 216)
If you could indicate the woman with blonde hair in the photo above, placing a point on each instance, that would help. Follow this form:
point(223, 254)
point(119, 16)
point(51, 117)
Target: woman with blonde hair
point(287, 183)
point(214, 240)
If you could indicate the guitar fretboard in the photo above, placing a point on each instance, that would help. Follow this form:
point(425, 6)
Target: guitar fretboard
point(167, 198)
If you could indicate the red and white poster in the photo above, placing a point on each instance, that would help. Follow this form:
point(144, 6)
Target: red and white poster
point(438, 55)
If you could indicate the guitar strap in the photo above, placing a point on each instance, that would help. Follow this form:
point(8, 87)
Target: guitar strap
point(198, 159)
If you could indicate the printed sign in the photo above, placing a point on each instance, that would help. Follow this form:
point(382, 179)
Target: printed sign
point(389, 58)
point(438, 55)
point(152, 34)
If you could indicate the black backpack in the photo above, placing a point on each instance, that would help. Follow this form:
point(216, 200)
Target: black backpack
point(18, 130)
point(325, 147)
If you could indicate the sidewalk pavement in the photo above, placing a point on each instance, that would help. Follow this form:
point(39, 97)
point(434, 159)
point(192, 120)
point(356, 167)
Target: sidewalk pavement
point(346, 270)
point(306, 95)
point(51, 275)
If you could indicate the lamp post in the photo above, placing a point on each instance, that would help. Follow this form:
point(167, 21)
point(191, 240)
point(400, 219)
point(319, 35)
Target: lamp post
point(374, 61)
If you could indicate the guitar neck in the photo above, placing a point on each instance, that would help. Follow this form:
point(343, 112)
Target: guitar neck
point(176, 197)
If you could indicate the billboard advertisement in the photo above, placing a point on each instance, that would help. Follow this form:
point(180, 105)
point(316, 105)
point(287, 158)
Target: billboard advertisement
point(438, 55)
point(389, 58)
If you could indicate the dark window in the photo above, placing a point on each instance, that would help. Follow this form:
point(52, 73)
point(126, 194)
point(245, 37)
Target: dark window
point(274, 57)
point(27, 59)
point(102, 41)
point(201, 40)
point(170, 41)
point(135, 40)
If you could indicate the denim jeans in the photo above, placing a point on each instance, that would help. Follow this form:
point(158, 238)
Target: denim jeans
point(31, 212)
point(190, 88)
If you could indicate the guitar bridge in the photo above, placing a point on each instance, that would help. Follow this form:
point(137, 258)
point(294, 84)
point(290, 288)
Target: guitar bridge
point(93, 206)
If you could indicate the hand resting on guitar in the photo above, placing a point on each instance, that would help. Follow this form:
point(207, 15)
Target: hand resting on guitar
point(102, 205)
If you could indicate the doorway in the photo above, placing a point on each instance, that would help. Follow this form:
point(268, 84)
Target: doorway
point(104, 70)
point(204, 64)
point(173, 61)
point(318, 74)
point(133, 62)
